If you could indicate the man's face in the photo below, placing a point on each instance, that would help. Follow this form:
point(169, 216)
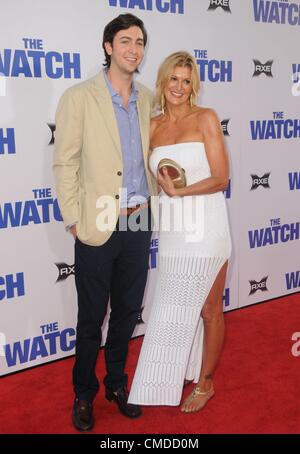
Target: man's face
point(127, 50)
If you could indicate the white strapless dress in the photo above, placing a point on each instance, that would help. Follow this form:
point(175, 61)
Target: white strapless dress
point(194, 243)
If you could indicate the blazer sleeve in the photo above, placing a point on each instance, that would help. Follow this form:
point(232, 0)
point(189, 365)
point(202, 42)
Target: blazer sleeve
point(67, 155)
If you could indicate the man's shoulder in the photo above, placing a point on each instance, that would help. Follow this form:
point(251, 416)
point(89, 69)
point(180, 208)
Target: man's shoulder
point(145, 91)
point(81, 88)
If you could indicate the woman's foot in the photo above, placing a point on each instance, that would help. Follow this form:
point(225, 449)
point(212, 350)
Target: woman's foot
point(197, 399)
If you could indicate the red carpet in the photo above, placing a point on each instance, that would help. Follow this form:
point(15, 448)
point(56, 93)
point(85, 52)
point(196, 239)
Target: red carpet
point(257, 386)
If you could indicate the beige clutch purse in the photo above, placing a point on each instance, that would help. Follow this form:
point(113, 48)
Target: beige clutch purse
point(175, 172)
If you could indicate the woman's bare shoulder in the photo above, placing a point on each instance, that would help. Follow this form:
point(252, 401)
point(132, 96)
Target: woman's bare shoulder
point(157, 119)
point(155, 123)
point(205, 112)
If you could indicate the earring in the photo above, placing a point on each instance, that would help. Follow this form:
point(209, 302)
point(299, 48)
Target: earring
point(162, 104)
point(191, 101)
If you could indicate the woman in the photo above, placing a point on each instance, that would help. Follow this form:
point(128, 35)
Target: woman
point(185, 331)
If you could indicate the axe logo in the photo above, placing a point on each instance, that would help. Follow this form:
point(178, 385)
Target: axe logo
point(140, 320)
point(261, 285)
point(224, 4)
point(260, 181)
point(52, 129)
point(64, 271)
point(224, 126)
point(260, 68)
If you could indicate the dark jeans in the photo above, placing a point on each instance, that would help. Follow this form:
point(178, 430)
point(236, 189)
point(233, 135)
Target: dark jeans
point(117, 269)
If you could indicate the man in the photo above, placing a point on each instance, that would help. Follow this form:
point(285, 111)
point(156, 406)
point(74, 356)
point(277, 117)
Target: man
point(102, 141)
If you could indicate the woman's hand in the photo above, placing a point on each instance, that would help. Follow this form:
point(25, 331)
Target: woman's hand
point(166, 183)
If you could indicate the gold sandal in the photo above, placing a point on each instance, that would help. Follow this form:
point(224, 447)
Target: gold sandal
point(194, 395)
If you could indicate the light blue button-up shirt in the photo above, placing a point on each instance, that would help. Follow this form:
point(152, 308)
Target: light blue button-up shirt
point(134, 185)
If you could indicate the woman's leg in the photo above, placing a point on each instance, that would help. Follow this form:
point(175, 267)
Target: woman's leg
point(213, 319)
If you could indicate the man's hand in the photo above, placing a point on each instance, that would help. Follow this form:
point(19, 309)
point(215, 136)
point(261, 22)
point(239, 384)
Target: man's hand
point(73, 231)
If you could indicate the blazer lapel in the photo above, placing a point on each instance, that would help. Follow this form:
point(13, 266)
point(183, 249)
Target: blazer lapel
point(144, 120)
point(107, 110)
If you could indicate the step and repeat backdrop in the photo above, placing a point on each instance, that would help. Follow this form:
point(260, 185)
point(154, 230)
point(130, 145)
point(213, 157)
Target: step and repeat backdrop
point(249, 65)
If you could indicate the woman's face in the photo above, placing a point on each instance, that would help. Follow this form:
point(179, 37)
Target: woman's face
point(179, 87)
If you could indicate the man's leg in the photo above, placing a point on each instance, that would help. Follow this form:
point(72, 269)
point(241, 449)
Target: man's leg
point(93, 269)
point(127, 291)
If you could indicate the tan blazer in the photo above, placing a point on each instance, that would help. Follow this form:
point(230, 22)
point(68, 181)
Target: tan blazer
point(88, 157)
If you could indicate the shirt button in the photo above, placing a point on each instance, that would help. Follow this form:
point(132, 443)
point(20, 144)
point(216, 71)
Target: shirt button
point(117, 196)
point(119, 173)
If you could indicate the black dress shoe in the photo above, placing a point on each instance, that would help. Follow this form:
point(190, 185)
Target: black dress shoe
point(187, 382)
point(121, 397)
point(82, 417)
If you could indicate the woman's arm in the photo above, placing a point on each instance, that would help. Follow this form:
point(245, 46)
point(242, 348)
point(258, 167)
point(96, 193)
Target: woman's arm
point(153, 126)
point(217, 159)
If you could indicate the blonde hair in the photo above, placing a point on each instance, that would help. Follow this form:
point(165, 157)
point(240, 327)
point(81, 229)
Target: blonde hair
point(181, 59)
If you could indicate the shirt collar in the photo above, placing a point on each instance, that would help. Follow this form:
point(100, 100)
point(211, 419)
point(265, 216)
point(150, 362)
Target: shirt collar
point(113, 93)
